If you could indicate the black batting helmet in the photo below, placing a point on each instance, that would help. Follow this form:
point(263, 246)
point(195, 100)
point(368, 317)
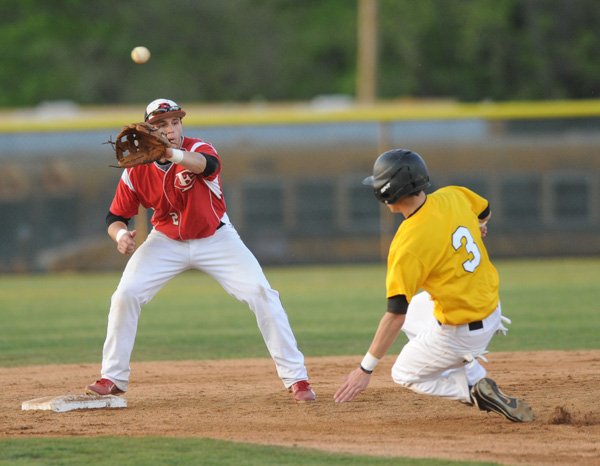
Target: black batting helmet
point(398, 173)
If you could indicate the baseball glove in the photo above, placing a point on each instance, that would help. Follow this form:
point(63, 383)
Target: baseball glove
point(139, 143)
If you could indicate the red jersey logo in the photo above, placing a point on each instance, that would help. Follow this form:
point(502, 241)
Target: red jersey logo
point(184, 180)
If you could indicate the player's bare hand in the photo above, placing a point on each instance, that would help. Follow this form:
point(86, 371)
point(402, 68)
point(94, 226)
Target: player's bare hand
point(484, 230)
point(126, 244)
point(355, 383)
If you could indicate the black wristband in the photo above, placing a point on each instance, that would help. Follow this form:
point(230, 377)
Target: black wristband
point(365, 370)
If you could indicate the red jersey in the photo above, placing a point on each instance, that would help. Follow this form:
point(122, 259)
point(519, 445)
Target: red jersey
point(186, 205)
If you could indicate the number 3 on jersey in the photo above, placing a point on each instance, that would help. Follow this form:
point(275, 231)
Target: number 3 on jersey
point(462, 233)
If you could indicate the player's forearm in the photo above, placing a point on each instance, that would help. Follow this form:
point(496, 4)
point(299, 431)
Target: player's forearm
point(387, 332)
point(193, 161)
point(114, 228)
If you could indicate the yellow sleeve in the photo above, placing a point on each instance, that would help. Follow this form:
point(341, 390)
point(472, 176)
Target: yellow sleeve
point(405, 275)
point(478, 203)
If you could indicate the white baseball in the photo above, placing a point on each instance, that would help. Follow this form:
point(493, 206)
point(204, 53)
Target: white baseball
point(140, 54)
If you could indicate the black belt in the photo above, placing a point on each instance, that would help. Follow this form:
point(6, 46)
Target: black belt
point(478, 324)
point(475, 325)
point(220, 225)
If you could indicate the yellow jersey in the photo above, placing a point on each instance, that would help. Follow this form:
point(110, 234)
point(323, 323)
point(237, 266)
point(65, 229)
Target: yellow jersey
point(439, 248)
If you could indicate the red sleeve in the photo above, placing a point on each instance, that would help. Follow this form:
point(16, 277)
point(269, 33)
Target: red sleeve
point(197, 145)
point(125, 203)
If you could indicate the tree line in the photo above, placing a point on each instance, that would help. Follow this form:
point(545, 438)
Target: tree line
point(288, 50)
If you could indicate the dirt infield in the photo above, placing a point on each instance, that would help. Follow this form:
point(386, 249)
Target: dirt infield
point(243, 400)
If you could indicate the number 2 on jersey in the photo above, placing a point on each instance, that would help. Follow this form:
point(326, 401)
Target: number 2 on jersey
point(470, 245)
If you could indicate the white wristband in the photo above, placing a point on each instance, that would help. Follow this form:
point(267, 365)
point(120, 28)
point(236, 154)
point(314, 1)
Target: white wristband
point(120, 233)
point(177, 156)
point(369, 362)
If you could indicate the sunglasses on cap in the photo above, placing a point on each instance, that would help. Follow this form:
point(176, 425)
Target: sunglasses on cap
point(163, 107)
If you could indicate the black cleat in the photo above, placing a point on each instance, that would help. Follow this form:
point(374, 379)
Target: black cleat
point(488, 397)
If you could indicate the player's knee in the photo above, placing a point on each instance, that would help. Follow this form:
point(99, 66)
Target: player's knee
point(259, 297)
point(403, 377)
point(257, 290)
point(124, 297)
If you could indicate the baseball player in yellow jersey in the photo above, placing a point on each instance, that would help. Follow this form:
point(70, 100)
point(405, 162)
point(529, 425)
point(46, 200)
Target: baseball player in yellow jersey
point(437, 248)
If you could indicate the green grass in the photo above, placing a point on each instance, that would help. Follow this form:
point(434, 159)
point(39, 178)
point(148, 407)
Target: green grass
point(553, 304)
point(333, 310)
point(179, 452)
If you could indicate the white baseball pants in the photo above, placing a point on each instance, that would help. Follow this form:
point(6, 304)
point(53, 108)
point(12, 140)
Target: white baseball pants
point(224, 257)
point(441, 359)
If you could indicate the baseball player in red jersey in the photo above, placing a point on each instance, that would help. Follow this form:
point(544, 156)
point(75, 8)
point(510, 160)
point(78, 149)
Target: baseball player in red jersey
point(190, 230)
point(437, 248)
